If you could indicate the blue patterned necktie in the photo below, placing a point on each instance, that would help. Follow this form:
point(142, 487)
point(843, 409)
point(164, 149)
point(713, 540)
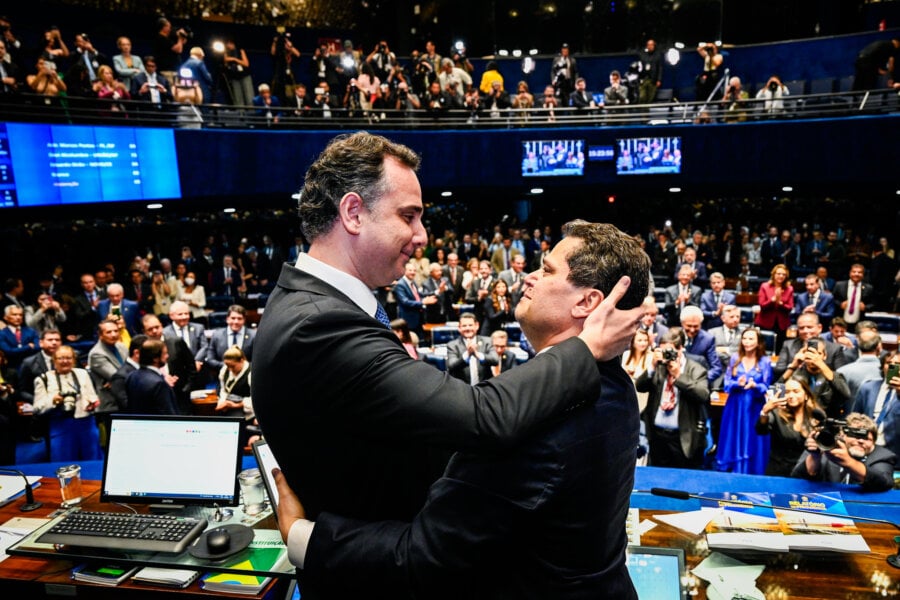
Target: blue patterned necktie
point(382, 316)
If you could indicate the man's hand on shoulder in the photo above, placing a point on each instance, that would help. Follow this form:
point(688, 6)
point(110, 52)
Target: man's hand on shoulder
point(608, 330)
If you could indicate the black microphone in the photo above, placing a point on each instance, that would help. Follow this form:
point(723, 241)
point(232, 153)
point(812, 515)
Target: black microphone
point(893, 560)
point(30, 504)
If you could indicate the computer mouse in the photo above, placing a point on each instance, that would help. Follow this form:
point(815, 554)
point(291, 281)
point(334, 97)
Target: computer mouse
point(218, 540)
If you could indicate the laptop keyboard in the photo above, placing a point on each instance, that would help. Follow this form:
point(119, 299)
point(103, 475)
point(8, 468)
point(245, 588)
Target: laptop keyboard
point(127, 532)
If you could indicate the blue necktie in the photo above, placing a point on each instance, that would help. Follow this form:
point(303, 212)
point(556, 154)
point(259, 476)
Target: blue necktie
point(115, 352)
point(382, 316)
point(886, 407)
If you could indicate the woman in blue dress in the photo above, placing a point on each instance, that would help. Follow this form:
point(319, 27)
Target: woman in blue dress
point(749, 373)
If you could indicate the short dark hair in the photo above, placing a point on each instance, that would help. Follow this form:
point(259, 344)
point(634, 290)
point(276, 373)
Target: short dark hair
point(49, 331)
point(136, 343)
point(151, 350)
point(237, 308)
point(674, 336)
point(607, 254)
point(350, 163)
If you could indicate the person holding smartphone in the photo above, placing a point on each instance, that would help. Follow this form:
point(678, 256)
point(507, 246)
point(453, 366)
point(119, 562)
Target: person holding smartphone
point(829, 386)
point(787, 419)
point(878, 399)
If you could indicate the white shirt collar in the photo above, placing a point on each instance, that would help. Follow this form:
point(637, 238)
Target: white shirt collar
point(349, 285)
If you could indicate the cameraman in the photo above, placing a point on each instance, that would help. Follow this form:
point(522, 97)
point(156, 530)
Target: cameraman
point(67, 396)
point(382, 60)
point(406, 100)
point(854, 459)
point(168, 47)
point(675, 415)
point(48, 314)
point(773, 93)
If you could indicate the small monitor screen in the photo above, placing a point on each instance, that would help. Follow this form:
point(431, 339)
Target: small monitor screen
point(656, 572)
point(172, 460)
point(648, 156)
point(76, 164)
point(548, 158)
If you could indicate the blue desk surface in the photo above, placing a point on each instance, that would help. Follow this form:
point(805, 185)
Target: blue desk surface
point(875, 505)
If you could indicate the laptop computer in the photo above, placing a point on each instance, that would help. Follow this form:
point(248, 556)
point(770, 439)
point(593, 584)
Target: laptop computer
point(656, 572)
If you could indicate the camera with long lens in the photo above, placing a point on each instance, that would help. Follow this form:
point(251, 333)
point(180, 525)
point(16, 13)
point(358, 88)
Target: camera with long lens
point(830, 430)
point(184, 33)
point(669, 354)
point(68, 401)
point(773, 86)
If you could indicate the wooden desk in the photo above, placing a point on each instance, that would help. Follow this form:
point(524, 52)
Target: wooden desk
point(794, 575)
point(26, 577)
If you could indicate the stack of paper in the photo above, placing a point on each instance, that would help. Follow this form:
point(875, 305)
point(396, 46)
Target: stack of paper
point(729, 578)
point(178, 578)
point(104, 574)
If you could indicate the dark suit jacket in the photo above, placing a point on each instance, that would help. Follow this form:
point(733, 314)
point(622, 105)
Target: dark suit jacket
point(141, 78)
point(693, 400)
point(408, 308)
point(456, 290)
point(17, 351)
point(181, 364)
point(117, 384)
point(149, 394)
point(507, 361)
point(865, 404)
point(130, 313)
point(81, 318)
point(879, 470)
point(219, 287)
point(331, 381)
point(704, 345)
point(197, 336)
point(458, 358)
point(31, 368)
point(866, 296)
point(709, 307)
point(824, 308)
point(221, 341)
point(543, 520)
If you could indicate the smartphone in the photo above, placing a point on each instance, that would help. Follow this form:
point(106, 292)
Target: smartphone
point(813, 345)
point(893, 370)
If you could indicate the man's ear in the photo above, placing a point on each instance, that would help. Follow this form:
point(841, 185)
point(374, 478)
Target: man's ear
point(349, 211)
point(588, 303)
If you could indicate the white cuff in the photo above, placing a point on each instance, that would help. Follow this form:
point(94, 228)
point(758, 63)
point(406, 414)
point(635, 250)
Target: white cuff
point(298, 541)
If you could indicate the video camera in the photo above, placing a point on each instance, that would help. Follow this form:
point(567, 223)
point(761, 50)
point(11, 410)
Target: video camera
point(184, 33)
point(831, 429)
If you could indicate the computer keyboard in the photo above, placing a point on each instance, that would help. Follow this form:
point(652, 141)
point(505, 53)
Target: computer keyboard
point(125, 531)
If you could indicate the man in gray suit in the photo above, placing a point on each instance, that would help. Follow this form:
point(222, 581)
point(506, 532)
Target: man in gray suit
point(104, 359)
point(471, 356)
point(235, 333)
point(728, 334)
point(683, 293)
point(193, 334)
point(514, 277)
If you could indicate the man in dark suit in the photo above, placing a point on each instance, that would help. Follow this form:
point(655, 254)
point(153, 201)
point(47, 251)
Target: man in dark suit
point(17, 341)
point(525, 522)
point(854, 296)
point(38, 364)
point(675, 415)
point(147, 389)
point(700, 345)
point(131, 364)
point(877, 399)
point(714, 300)
point(83, 318)
point(331, 378)
point(411, 301)
point(138, 290)
point(454, 273)
point(681, 294)
point(235, 333)
point(116, 304)
point(181, 368)
point(507, 360)
point(815, 300)
point(808, 327)
point(227, 279)
point(193, 334)
point(150, 85)
point(480, 288)
point(471, 356)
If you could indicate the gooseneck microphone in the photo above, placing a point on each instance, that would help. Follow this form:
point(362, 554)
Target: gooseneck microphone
point(893, 559)
point(30, 504)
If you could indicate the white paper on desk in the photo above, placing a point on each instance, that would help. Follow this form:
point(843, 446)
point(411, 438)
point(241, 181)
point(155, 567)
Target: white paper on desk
point(728, 576)
point(13, 486)
point(14, 530)
point(693, 522)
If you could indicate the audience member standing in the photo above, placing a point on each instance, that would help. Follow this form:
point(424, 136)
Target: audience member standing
point(776, 301)
point(786, 418)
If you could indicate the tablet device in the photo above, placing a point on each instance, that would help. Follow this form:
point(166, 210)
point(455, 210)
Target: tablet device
point(266, 462)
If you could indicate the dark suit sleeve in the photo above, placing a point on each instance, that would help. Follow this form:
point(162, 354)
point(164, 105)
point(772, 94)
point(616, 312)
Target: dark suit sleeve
point(879, 470)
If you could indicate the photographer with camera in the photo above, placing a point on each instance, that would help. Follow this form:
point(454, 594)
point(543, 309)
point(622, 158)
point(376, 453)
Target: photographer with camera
point(324, 102)
point(712, 70)
point(830, 387)
point(67, 396)
point(675, 415)
point(845, 452)
point(168, 47)
point(283, 54)
point(47, 314)
point(382, 60)
point(405, 99)
point(772, 95)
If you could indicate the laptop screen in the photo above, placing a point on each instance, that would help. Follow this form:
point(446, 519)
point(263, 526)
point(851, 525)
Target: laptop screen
point(656, 572)
point(155, 459)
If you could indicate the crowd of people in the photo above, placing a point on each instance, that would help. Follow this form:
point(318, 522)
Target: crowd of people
point(694, 343)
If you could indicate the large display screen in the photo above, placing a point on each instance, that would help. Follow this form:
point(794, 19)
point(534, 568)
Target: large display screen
point(70, 164)
point(543, 158)
point(648, 155)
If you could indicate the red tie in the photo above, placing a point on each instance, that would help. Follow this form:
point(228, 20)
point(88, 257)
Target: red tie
point(415, 292)
point(853, 299)
point(19, 335)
